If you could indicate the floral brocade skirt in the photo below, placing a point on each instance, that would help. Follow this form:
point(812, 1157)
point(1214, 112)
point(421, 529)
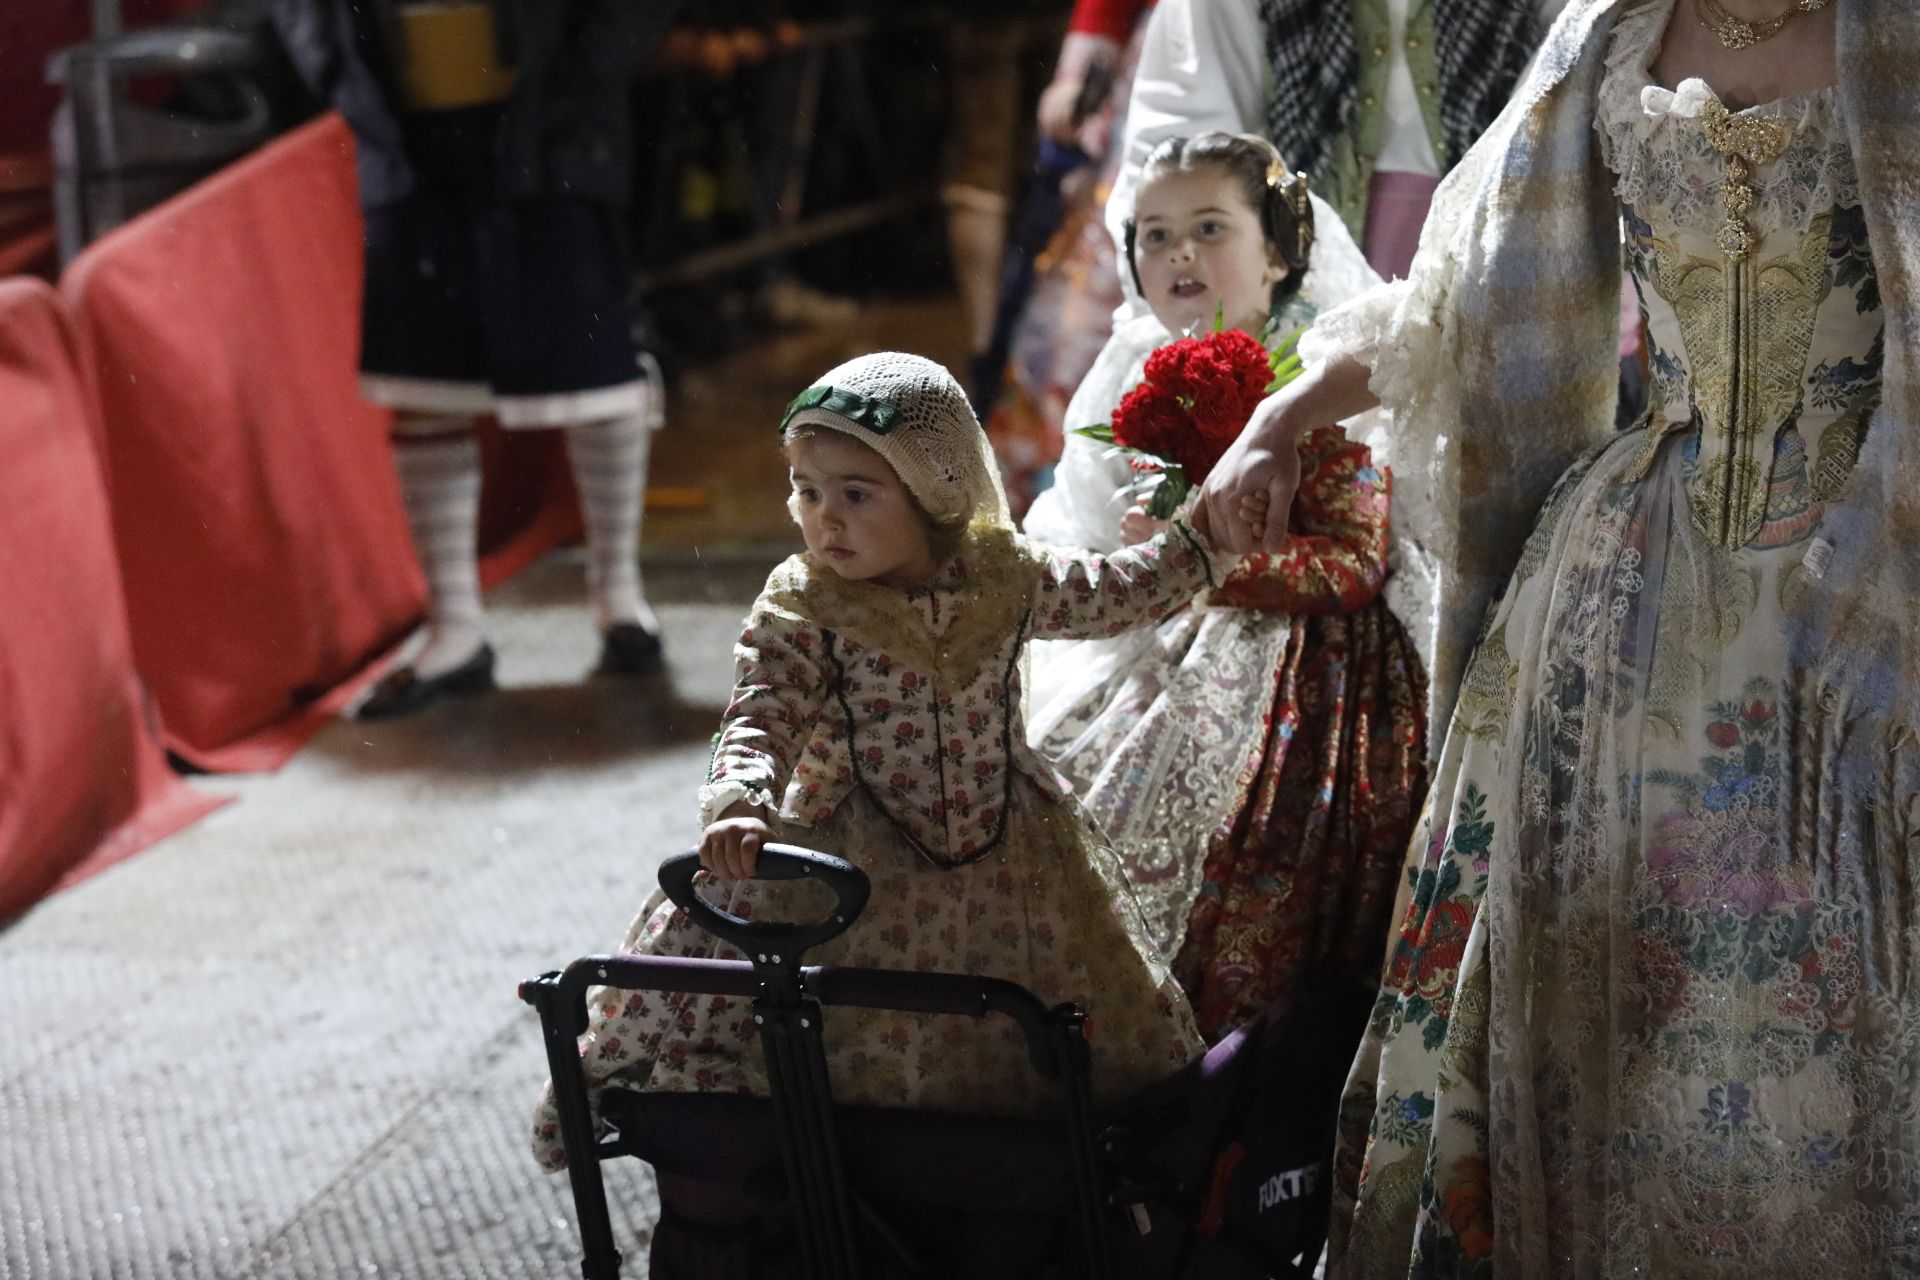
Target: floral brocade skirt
point(1050, 911)
point(1652, 1008)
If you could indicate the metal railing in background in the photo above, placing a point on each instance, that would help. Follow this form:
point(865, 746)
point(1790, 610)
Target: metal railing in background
point(115, 154)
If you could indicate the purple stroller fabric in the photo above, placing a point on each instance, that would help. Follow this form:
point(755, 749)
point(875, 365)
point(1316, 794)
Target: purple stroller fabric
point(1229, 1163)
point(1225, 1165)
point(963, 1196)
point(1222, 1171)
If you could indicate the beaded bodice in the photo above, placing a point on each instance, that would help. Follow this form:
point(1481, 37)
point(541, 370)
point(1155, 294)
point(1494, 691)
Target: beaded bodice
point(1747, 245)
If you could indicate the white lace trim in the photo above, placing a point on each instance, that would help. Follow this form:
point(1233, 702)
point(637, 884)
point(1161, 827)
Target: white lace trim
point(1663, 166)
point(1394, 329)
point(934, 442)
point(1385, 330)
point(717, 797)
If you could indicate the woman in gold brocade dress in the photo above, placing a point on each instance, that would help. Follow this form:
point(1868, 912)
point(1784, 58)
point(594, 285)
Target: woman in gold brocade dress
point(1651, 1009)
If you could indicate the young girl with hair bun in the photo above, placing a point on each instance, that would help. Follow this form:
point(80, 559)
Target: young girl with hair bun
point(1258, 759)
point(877, 716)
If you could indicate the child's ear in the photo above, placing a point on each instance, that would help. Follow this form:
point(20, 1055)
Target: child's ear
point(1278, 268)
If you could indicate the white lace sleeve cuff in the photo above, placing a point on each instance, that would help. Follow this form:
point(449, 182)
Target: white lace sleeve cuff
point(1396, 332)
point(1393, 330)
point(717, 797)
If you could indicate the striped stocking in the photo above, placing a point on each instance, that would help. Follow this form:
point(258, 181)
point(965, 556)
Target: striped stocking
point(439, 463)
point(610, 470)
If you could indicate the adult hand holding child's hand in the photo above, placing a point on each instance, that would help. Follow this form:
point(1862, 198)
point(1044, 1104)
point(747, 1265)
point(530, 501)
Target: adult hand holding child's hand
point(1244, 504)
point(731, 846)
point(1250, 490)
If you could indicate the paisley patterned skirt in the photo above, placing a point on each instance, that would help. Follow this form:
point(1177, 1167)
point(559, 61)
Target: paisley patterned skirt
point(1298, 884)
point(1051, 912)
point(1652, 1009)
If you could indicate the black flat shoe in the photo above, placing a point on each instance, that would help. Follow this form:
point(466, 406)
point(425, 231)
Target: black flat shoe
point(629, 649)
point(403, 691)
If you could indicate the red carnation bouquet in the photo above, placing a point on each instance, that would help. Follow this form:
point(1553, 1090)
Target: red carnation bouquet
point(1193, 399)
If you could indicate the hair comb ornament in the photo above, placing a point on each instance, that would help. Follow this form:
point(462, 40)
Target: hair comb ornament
point(1276, 171)
point(1302, 208)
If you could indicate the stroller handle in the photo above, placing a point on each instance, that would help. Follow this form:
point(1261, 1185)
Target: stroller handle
point(779, 943)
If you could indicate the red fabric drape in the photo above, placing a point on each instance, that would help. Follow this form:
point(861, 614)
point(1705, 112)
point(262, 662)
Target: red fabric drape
point(527, 501)
point(254, 497)
point(254, 500)
point(82, 780)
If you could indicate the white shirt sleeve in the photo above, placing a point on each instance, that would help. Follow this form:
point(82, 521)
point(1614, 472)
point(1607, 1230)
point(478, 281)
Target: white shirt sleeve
point(1202, 66)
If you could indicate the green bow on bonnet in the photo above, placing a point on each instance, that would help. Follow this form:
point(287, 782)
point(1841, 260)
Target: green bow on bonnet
point(876, 416)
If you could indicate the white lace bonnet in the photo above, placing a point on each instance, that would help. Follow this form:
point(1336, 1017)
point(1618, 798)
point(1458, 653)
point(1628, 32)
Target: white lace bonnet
point(912, 413)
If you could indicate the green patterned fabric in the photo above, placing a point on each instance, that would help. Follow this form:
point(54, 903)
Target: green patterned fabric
point(1347, 172)
point(876, 416)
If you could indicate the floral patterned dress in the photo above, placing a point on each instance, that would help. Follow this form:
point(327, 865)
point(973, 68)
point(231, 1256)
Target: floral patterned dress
point(884, 726)
point(1257, 759)
point(1652, 1009)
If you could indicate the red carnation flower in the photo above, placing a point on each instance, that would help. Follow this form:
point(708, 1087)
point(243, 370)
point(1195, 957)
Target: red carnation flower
point(1196, 395)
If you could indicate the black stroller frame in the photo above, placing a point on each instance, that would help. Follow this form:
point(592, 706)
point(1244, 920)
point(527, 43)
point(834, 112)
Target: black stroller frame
point(787, 1007)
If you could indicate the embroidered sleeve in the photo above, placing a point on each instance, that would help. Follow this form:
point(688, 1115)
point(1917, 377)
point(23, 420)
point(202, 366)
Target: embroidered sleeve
point(1086, 595)
point(1336, 561)
point(778, 691)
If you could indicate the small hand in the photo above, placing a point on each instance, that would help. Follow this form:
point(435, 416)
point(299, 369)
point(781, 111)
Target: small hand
point(1057, 102)
point(731, 847)
point(1253, 513)
point(1136, 526)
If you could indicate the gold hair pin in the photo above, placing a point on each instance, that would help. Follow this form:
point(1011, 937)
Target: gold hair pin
point(1302, 209)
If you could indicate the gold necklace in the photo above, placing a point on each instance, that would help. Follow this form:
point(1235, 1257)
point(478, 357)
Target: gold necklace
point(1738, 33)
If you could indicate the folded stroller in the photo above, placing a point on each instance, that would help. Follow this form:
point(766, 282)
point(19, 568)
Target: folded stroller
point(1221, 1171)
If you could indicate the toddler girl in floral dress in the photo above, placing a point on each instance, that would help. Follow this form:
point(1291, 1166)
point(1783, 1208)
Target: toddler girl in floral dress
point(877, 716)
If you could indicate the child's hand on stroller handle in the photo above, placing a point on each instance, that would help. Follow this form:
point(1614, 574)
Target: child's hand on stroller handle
point(731, 845)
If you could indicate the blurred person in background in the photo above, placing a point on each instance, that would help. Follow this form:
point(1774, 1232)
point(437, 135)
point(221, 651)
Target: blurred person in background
point(1373, 99)
point(495, 156)
point(995, 53)
point(1073, 286)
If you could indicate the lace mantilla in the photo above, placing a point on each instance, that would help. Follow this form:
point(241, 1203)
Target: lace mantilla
point(1664, 165)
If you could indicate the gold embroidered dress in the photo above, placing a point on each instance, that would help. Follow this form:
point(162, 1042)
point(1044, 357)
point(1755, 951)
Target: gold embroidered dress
point(884, 726)
point(1651, 1011)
